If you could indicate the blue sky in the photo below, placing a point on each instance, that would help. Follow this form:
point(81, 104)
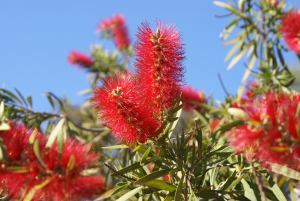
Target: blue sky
point(37, 36)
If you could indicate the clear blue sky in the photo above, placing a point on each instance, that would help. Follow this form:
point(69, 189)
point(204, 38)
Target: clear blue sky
point(36, 37)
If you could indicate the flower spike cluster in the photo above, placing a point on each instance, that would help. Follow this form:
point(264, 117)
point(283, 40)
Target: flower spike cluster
point(133, 104)
point(159, 64)
point(55, 176)
point(191, 98)
point(125, 110)
point(290, 28)
point(80, 59)
point(272, 130)
point(117, 28)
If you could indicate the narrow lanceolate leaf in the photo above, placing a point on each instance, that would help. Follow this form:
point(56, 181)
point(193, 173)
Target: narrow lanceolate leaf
point(30, 195)
point(145, 155)
point(248, 191)
point(237, 113)
point(4, 127)
point(55, 132)
point(229, 126)
point(130, 168)
point(236, 59)
point(119, 146)
point(192, 196)
point(111, 192)
point(278, 193)
point(174, 124)
point(152, 176)
point(285, 171)
point(33, 136)
point(233, 50)
point(249, 68)
point(226, 6)
point(130, 194)
point(1, 109)
point(178, 192)
point(37, 153)
point(1, 153)
point(161, 185)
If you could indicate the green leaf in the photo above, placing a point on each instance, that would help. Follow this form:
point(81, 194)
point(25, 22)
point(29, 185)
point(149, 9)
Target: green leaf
point(4, 127)
point(130, 194)
point(233, 50)
point(248, 191)
point(229, 126)
point(249, 68)
point(278, 193)
point(111, 192)
point(33, 136)
point(30, 195)
point(119, 146)
point(152, 176)
point(55, 132)
point(22, 97)
point(1, 153)
point(237, 113)
point(1, 109)
point(36, 150)
point(29, 100)
point(285, 171)
point(228, 182)
point(192, 196)
point(168, 198)
point(227, 7)
point(159, 184)
point(178, 192)
point(236, 59)
point(145, 155)
point(174, 124)
point(71, 164)
point(130, 168)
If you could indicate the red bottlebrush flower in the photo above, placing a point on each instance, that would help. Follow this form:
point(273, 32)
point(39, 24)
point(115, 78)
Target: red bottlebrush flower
point(290, 28)
point(272, 128)
point(117, 28)
point(80, 59)
point(214, 124)
point(167, 178)
point(55, 176)
point(159, 58)
point(191, 98)
point(125, 110)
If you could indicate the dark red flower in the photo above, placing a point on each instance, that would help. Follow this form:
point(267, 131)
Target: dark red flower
point(272, 129)
point(124, 108)
point(80, 59)
point(55, 176)
point(290, 28)
point(117, 28)
point(159, 56)
point(191, 98)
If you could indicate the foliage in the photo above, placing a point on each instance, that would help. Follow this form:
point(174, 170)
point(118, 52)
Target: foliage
point(164, 141)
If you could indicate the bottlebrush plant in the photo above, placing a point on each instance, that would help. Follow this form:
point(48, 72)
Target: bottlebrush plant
point(142, 134)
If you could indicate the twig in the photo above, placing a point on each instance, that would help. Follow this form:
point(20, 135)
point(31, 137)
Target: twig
point(259, 184)
point(116, 172)
point(223, 85)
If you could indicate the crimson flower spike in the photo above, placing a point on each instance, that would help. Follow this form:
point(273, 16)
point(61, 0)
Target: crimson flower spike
point(80, 59)
point(271, 131)
point(116, 26)
point(51, 176)
point(290, 28)
point(159, 56)
point(125, 110)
